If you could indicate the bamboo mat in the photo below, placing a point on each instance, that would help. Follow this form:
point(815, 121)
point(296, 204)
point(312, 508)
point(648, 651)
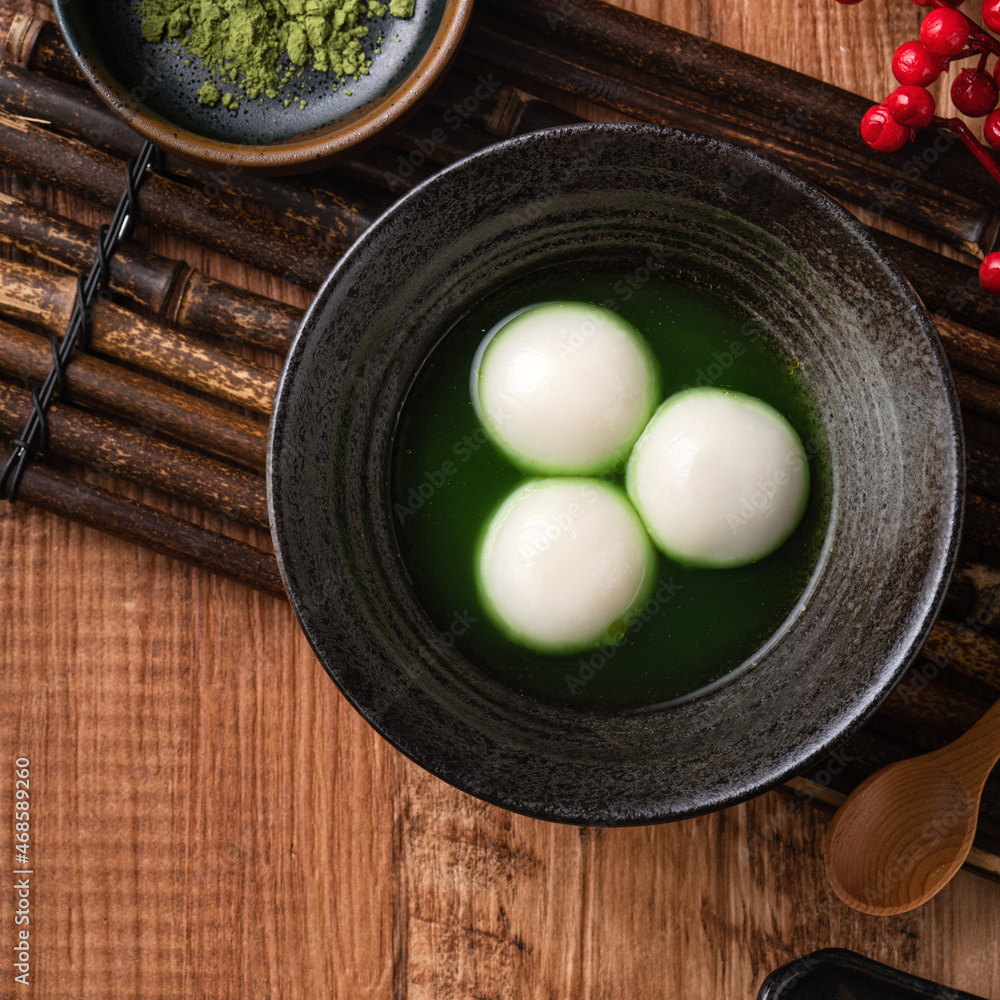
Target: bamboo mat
point(185, 417)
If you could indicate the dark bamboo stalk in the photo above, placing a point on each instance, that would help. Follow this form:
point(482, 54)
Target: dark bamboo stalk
point(936, 706)
point(112, 448)
point(984, 471)
point(36, 42)
point(70, 164)
point(155, 407)
point(610, 39)
point(58, 493)
point(982, 520)
point(974, 595)
point(970, 350)
point(32, 295)
point(384, 169)
point(474, 100)
point(178, 293)
point(426, 138)
point(619, 37)
point(77, 112)
point(963, 647)
point(948, 288)
point(965, 224)
point(978, 396)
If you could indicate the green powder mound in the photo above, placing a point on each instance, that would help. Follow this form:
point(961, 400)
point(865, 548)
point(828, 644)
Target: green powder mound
point(209, 94)
point(243, 41)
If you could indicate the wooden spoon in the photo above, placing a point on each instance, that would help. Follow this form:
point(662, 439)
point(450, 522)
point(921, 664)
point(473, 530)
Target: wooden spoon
point(904, 832)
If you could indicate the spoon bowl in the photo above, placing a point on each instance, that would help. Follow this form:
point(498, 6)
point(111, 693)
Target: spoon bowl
point(903, 833)
point(885, 873)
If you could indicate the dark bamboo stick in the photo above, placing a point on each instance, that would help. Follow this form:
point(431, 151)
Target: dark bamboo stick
point(77, 112)
point(974, 595)
point(70, 164)
point(978, 396)
point(620, 37)
point(970, 350)
point(384, 169)
point(983, 474)
point(58, 493)
point(965, 648)
point(608, 38)
point(965, 224)
point(155, 407)
point(982, 520)
point(984, 471)
point(46, 299)
point(426, 134)
point(135, 455)
point(480, 101)
point(934, 705)
point(36, 42)
point(947, 287)
point(178, 293)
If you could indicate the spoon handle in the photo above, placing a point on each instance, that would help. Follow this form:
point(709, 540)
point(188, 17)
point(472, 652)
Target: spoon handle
point(973, 755)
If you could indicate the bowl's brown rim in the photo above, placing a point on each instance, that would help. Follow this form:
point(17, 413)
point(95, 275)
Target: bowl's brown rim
point(309, 153)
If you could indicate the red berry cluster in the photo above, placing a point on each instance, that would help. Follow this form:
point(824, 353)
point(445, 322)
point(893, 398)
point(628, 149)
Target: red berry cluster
point(946, 36)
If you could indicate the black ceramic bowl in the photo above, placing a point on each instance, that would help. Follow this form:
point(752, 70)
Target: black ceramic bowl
point(154, 87)
point(826, 292)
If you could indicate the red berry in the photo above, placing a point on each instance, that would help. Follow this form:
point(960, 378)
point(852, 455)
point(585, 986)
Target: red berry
point(991, 129)
point(974, 93)
point(989, 273)
point(991, 14)
point(944, 32)
point(914, 66)
point(911, 106)
point(882, 132)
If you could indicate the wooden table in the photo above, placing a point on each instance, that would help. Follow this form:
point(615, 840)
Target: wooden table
point(210, 818)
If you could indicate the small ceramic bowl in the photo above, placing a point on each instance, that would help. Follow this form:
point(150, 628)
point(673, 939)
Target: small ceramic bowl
point(150, 86)
point(829, 296)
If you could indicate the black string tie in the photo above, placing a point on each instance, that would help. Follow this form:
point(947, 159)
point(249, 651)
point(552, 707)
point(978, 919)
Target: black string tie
point(34, 439)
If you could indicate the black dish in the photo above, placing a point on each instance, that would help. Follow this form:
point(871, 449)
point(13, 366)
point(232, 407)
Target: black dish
point(838, 974)
point(150, 86)
point(828, 294)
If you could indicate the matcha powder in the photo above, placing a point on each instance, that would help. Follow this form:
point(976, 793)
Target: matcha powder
point(242, 42)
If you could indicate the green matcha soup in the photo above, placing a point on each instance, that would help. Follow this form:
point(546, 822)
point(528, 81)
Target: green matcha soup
point(699, 625)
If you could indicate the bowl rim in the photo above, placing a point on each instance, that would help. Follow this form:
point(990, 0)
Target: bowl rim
point(932, 600)
point(315, 149)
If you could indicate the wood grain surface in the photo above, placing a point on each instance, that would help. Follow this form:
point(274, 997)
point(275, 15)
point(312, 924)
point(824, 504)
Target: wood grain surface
point(210, 818)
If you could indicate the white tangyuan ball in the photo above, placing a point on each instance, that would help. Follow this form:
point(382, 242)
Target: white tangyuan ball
point(565, 387)
point(719, 478)
point(564, 564)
